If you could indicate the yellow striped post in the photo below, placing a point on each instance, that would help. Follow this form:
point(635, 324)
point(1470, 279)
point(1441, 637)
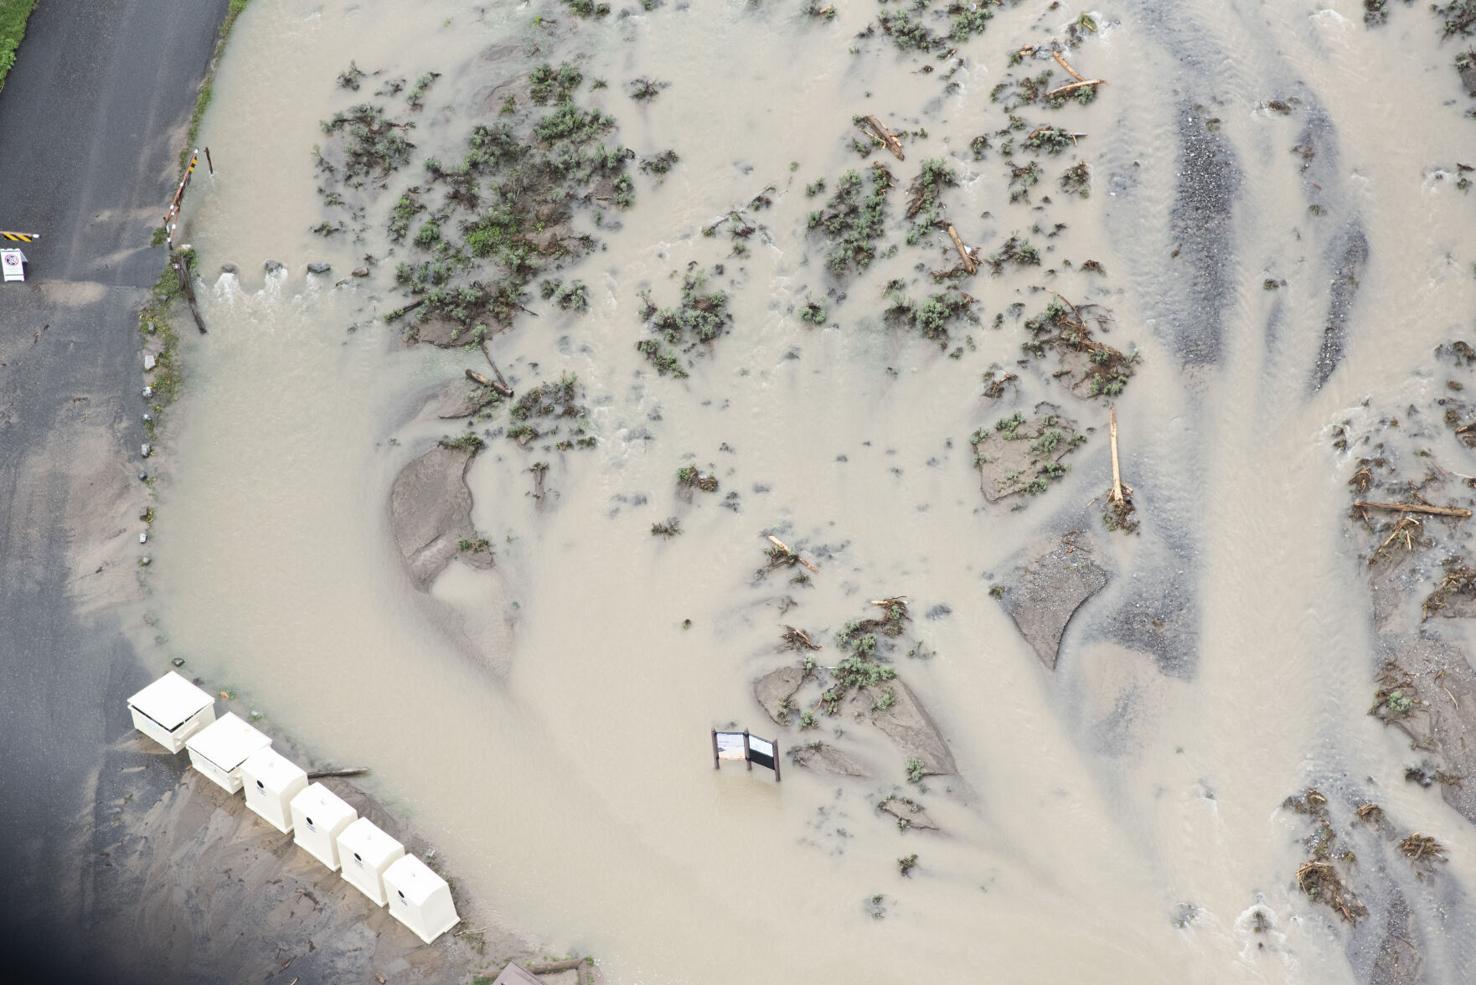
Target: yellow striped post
point(19, 237)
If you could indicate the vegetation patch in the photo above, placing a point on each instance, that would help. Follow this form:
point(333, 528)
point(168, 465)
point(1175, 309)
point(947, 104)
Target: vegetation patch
point(1051, 139)
point(934, 26)
point(644, 89)
point(1090, 368)
point(13, 17)
point(691, 477)
point(931, 317)
point(1018, 456)
point(551, 410)
point(571, 296)
point(1458, 17)
point(1016, 252)
point(155, 320)
point(587, 8)
point(482, 229)
point(698, 321)
point(1320, 877)
point(924, 207)
point(1077, 180)
point(854, 219)
point(375, 146)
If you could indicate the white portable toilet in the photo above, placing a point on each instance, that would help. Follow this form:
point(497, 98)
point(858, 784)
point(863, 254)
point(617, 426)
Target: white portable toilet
point(170, 710)
point(419, 898)
point(271, 780)
point(219, 749)
point(365, 851)
point(318, 818)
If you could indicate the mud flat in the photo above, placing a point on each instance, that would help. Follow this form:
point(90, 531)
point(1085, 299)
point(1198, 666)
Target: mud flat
point(805, 431)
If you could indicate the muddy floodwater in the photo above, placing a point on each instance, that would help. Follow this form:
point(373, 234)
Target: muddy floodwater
point(1275, 242)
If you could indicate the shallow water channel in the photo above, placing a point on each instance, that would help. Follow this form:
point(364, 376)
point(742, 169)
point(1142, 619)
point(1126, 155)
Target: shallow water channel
point(545, 722)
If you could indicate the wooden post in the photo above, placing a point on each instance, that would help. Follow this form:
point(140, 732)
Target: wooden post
point(776, 760)
point(209, 163)
point(746, 761)
point(715, 762)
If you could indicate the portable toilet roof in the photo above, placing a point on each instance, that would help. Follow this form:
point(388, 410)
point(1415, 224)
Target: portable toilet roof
point(13, 263)
point(318, 818)
point(225, 745)
point(364, 852)
point(270, 781)
point(170, 703)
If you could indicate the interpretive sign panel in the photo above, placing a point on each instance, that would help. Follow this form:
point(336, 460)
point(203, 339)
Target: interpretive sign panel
point(746, 748)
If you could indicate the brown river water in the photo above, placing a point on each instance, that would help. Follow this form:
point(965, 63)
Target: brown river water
point(545, 722)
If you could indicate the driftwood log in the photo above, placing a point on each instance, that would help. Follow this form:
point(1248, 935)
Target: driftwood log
point(338, 771)
point(1071, 87)
point(965, 254)
point(1458, 512)
point(481, 380)
point(889, 139)
point(790, 552)
point(404, 310)
point(504, 389)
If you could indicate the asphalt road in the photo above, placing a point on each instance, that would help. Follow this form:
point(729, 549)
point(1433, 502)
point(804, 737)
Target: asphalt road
point(91, 122)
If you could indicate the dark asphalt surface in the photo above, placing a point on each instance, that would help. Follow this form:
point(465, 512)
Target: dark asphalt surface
point(91, 121)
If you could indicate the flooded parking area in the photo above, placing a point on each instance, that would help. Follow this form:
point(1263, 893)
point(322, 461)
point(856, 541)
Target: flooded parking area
point(1023, 734)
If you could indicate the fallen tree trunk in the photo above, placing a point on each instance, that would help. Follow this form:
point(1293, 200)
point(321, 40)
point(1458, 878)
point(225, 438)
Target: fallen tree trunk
point(887, 137)
point(506, 390)
point(970, 265)
point(480, 380)
point(338, 771)
point(554, 967)
point(404, 310)
point(1458, 512)
point(1061, 60)
point(1073, 86)
point(791, 553)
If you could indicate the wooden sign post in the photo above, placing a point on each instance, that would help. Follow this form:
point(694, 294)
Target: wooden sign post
point(748, 747)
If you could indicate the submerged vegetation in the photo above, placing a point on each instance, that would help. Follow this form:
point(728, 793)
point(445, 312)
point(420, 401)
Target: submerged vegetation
point(931, 26)
point(854, 220)
point(1093, 368)
point(1017, 455)
point(551, 410)
point(924, 207)
point(508, 211)
point(931, 317)
point(1321, 877)
point(698, 321)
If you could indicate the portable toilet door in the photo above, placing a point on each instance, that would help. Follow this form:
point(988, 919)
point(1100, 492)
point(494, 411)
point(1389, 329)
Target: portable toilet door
point(271, 780)
point(13, 265)
point(318, 818)
point(365, 852)
point(219, 749)
point(170, 710)
point(419, 899)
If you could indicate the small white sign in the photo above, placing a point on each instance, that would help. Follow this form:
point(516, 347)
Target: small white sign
point(13, 263)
